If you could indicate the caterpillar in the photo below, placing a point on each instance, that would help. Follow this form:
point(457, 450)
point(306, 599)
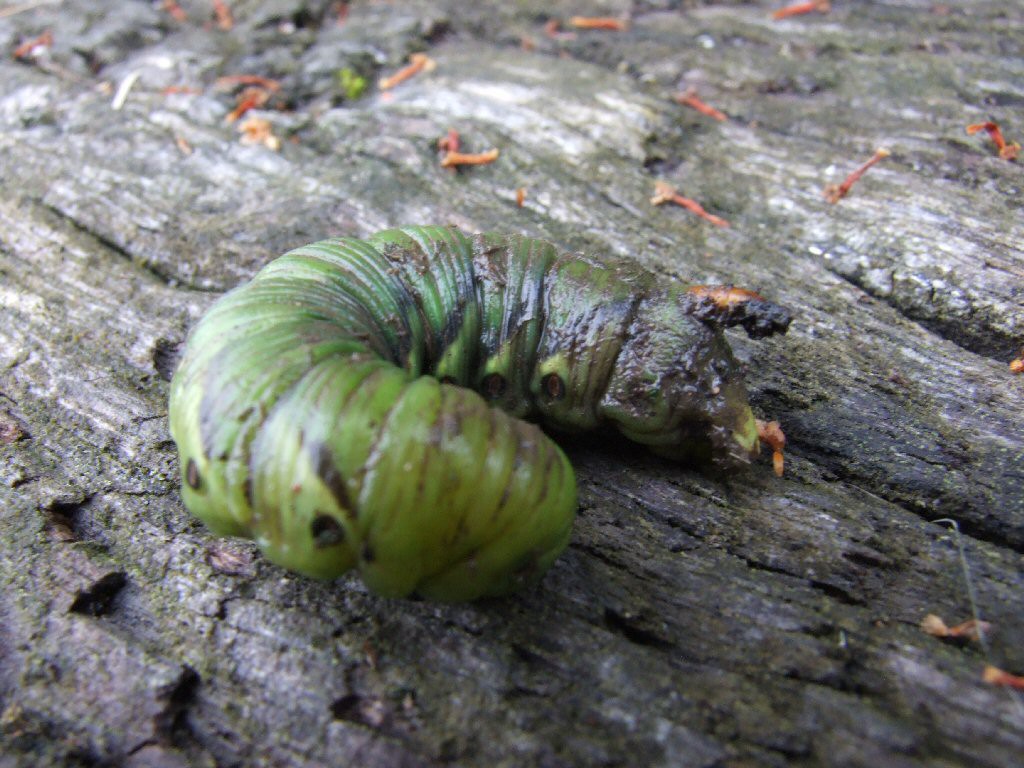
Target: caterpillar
point(373, 403)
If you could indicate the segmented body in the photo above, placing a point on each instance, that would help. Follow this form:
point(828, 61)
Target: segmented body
point(360, 403)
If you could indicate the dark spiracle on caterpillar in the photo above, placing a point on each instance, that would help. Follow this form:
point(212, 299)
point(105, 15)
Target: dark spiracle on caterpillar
point(373, 403)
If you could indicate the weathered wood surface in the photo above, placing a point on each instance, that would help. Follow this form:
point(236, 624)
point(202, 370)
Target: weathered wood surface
point(694, 620)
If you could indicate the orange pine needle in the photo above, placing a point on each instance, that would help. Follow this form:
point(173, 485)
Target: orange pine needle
point(28, 48)
point(230, 81)
point(251, 98)
point(836, 192)
point(183, 146)
point(770, 432)
point(689, 99)
point(934, 625)
point(797, 9)
point(223, 14)
point(665, 193)
point(551, 27)
point(341, 10)
point(176, 11)
point(257, 130)
point(1006, 151)
point(449, 142)
point(598, 22)
point(171, 90)
point(418, 62)
point(970, 629)
point(452, 159)
point(996, 676)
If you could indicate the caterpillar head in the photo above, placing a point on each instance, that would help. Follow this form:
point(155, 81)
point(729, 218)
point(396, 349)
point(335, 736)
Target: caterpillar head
point(678, 388)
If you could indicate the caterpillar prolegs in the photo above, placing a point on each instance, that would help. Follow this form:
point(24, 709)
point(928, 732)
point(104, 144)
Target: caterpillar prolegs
point(371, 403)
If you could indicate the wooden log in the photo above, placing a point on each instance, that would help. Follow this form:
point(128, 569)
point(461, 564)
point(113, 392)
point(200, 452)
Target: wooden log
point(695, 620)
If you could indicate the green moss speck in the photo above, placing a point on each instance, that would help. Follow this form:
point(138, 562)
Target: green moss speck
point(352, 84)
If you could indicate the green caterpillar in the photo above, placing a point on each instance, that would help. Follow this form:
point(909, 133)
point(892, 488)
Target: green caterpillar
point(360, 403)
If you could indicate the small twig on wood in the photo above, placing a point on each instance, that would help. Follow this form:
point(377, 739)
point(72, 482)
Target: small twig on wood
point(174, 90)
point(340, 10)
point(32, 48)
point(836, 192)
point(969, 630)
point(257, 130)
point(452, 159)
point(996, 676)
point(230, 81)
point(251, 98)
point(1006, 151)
point(599, 22)
point(553, 29)
point(176, 11)
point(449, 142)
point(418, 62)
point(666, 193)
point(688, 98)
point(222, 12)
point(798, 9)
